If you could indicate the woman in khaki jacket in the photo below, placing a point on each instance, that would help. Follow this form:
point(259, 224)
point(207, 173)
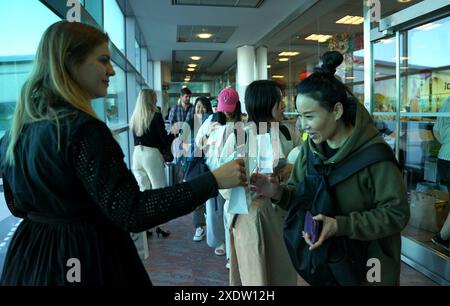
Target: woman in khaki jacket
point(372, 204)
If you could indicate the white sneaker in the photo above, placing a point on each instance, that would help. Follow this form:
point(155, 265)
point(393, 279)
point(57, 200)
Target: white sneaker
point(199, 234)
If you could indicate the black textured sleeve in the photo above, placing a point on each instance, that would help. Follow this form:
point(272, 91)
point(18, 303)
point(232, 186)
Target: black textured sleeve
point(98, 163)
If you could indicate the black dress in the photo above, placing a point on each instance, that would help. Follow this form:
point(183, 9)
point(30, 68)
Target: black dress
point(80, 201)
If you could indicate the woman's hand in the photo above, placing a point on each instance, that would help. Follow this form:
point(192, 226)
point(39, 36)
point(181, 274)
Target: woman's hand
point(266, 185)
point(231, 174)
point(329, 229)
point(285, 172)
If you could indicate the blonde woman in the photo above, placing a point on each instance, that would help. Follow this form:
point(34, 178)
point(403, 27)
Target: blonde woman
point(64, 174)
point(150, 137)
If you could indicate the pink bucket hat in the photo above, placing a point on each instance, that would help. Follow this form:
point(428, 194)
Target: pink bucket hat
point(228, 98)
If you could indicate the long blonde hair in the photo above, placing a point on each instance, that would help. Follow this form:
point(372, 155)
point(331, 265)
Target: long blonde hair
point(143, 112)
point(63, 46)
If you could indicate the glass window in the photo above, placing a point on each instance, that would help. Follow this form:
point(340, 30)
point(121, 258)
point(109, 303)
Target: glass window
point(27, 19)
point(99, 107)
point(114, 23)
point(116, 101)
point(384, 99)
point(22, 23)
point(94, 7)
point(424, 125)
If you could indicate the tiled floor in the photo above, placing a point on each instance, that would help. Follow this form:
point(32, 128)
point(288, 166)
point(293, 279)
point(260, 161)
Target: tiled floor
point(179, 261)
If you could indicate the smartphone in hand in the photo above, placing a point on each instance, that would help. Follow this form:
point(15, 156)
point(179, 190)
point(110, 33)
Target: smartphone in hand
point(312, 227)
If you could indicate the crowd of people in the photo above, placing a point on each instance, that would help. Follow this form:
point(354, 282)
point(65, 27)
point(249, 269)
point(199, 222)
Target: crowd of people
point(64, 173)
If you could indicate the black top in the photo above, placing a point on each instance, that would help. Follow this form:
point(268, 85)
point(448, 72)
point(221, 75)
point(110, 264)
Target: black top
point(156, 136)
point(81, 202)
point(328, 152)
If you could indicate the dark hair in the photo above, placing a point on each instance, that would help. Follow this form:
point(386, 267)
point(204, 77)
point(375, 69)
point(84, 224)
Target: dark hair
point(323, 87)
point(206, 104)
point(222, 118)
point(260, 98)
point(185, 91)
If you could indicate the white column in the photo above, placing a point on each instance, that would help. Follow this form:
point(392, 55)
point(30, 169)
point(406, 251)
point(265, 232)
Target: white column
point(246, 70)
point(157, 81)
point(261, 63)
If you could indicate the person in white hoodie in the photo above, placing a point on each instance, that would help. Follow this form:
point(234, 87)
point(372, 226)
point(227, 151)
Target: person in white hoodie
point(211, 138)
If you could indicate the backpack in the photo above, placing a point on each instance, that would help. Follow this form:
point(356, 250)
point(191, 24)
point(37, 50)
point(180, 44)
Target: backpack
point(339, 261)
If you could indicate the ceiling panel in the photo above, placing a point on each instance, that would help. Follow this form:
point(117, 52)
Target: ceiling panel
point(181, 59)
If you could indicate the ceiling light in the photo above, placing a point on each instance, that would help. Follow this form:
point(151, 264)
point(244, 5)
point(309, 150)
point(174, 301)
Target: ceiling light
point(277, 76)
point(403, 1)
point(204, 35)
point(428, 26)
point(195, 58)
point(192, 65)
point(283, 59)
point(184, 86)
point(187, 80)
point(190, 69)
point(319, 37)
point(386, 41)
point(269, 66)
point(355, 20)
point(286, 53)
point(350, 78)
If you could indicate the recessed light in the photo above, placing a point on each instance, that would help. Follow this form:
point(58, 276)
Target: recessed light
point(288, 53)
point(355, 20)
point(190, 69)
point(403, 1)
point(204, 35)
point(269, 66)
point(192, 65)
point(350, 78)
point(319, 37)
point(277, 76)
point(283, 59)
point(195, 58)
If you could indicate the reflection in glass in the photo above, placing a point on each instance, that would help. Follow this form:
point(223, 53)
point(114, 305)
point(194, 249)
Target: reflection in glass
point(116, 102)
point(122, 139)
point(26, 21)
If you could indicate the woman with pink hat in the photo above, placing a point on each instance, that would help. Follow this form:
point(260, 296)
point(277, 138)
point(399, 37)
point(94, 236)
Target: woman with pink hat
point(211, 137)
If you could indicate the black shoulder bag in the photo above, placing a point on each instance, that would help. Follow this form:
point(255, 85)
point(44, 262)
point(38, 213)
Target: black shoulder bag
point(338, 261)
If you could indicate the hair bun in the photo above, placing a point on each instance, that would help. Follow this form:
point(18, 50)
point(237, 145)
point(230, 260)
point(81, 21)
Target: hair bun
point(330, 61)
